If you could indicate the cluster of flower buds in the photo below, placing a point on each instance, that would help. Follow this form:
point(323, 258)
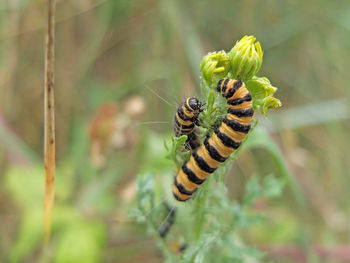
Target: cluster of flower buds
point(242, 62)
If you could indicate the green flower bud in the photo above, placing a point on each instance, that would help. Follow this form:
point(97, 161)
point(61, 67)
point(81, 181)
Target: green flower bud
point(270, 102)
point(246, 58)
point(215, 66)
point(262, 92)
point(260, 88)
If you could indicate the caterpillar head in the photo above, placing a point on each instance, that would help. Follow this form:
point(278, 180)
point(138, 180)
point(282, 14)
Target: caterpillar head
point(195, 105)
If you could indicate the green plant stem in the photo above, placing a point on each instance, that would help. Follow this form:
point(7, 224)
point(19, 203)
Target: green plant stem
point(200, 205)
point(160, 241)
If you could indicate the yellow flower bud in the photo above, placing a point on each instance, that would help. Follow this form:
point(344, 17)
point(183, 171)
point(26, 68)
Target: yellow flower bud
point(246, 58)
point(215, 66)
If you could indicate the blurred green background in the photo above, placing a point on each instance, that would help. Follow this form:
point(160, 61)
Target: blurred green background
point(122, 67)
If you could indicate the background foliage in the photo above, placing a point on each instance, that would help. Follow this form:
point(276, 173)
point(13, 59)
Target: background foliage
point(114, 60)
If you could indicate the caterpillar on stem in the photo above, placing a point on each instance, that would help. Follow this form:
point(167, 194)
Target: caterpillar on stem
point(221, 144)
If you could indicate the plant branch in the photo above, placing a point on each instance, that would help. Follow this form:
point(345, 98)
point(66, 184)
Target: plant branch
point(49, 120)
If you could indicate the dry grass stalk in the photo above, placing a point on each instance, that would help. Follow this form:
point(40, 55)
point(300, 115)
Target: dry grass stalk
point(49, 120)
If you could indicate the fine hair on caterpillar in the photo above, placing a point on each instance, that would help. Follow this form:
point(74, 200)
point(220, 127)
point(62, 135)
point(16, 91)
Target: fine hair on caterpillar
point(173, 105)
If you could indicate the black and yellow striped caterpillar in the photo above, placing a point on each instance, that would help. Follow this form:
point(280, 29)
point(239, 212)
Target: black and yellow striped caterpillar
point(164, 228)
point(186, 117)
point(222, 143)
point(169, 221)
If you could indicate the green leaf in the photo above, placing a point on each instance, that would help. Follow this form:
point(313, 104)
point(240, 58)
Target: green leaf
point(261, 139)
point(253, 190)
point(145, 191)
point(80, 242)
point(211, 100)
point(179, 142)
point(272, 186)
point(26, 185)
point(29, 234)
point(137, 215)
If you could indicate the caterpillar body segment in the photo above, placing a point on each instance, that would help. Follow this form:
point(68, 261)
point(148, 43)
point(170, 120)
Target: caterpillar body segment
point(221, 144)
point(186, 119)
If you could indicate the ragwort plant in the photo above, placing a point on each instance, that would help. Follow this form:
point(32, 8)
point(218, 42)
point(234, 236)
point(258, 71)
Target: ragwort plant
point(208, 225)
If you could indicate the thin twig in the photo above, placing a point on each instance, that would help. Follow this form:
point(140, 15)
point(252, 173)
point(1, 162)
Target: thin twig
point(49, 120)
